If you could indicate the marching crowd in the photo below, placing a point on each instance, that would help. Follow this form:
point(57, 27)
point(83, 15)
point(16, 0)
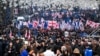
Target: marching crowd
point(49, 43)
point(52, 42)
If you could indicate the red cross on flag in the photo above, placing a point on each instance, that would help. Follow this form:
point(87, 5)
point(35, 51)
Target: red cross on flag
point(35, 24)
point(92, 24)
point(53, 24)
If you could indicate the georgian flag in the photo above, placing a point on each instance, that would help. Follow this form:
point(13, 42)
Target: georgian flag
point(92, 24)
point(35, 24)
point(57, 26)
point(53, 24)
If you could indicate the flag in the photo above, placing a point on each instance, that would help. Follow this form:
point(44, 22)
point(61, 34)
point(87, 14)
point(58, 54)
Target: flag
point(26, 34)
point(53, 14)
point(25, 24)
point(63, 25)
point(42, 20)
point(59, 16)
point(92, 24)
point(56, 26)
point(29, 34)
point(45, 25)
point(41, 23)
point(53, 24)
point(77, 25)
point(69, 26)
point(10, 34)
point(35, 24)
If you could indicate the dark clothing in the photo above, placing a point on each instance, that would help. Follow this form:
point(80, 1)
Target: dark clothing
point(17, 46)
point(98, 51)
point(10, 51)
point(95, 50)
point(4, 44)
point(1, 49)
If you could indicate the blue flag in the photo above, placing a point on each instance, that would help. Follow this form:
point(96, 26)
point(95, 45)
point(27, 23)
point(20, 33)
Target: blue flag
point(88, 52)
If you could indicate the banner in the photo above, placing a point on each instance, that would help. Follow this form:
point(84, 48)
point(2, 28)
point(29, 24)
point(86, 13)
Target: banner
point(92, 24)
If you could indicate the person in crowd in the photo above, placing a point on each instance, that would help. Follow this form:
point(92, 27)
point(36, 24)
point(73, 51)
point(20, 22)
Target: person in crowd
point(98, 49)
point(49, 52)
point(58, 52)
point(1, 46)
point(69, 39)
point(25, 52)
point(88, 51)
point(10, 49)
point(40, 53)
point(17, 46)
point(32, 52)
point(64, 51)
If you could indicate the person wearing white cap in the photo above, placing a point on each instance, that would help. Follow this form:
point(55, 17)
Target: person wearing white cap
point(49, 52)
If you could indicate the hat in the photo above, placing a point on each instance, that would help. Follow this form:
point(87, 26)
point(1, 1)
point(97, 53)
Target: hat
point(76, 50)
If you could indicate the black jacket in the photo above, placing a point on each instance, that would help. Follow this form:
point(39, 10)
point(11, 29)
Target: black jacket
point(12, 53)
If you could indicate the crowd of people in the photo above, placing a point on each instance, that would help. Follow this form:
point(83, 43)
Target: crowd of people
point(48, 43)
point(53, 42)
